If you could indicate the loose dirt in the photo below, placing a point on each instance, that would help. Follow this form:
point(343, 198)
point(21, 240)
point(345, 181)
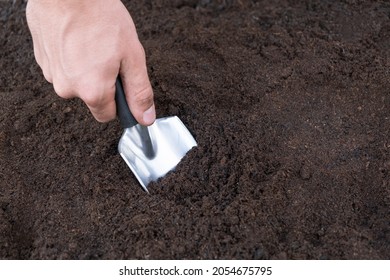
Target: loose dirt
point(289, 102)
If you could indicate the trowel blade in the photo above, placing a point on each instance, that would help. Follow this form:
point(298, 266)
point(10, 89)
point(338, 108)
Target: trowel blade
point(169, 140)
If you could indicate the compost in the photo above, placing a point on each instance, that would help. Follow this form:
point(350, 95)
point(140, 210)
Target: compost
point(289, 102)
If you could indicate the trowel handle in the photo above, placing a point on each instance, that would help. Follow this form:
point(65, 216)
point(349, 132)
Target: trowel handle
point(126, 118)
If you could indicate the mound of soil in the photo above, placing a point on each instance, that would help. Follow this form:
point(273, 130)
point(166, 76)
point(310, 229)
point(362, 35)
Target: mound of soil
point(289, 102)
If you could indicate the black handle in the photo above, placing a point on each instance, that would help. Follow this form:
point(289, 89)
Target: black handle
point(126, 118)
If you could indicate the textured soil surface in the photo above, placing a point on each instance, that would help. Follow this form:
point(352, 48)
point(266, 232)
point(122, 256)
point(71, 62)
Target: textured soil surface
point(289, 102)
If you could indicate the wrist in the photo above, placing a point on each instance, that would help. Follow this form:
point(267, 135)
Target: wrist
point(68, 5)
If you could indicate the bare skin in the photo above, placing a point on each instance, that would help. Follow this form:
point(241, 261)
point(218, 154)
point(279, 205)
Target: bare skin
point(82, 46)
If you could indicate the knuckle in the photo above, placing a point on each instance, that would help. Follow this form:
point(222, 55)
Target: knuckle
point(144, 97)
point(92, 98)
point(104, 113)
point(47, 76)
point(93, 94)
point(61, 88)
point(44, 65)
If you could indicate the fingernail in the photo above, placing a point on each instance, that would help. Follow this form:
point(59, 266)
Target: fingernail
point(149, 115)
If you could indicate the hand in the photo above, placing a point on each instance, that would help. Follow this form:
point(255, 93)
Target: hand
point(82, 46)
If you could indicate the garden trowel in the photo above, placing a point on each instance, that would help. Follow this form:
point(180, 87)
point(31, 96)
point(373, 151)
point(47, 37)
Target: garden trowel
point(150, 151)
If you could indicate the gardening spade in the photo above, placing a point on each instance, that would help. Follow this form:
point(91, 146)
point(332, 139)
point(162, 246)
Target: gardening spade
point(150, 151)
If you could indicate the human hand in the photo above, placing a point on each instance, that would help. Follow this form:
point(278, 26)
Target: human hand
point(82, 46)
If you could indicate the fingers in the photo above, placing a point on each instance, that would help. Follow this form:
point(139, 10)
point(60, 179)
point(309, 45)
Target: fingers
point(97, 93)
point(101, 102)
point(139, 93)
point(103, 111)
point(99, 96)
point(40, 55)
point(45, 66)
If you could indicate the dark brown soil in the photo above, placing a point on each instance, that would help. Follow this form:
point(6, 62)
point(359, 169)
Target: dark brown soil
point(289, 102)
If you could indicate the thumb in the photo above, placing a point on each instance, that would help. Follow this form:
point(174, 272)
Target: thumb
point(137, 87)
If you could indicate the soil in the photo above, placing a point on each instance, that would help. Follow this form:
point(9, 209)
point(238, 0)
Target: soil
point(289, 102)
